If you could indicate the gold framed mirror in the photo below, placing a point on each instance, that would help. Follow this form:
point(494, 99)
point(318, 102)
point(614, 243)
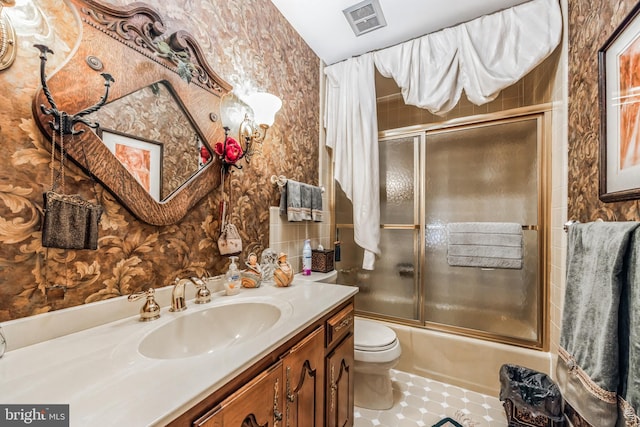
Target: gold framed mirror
point(132, 44)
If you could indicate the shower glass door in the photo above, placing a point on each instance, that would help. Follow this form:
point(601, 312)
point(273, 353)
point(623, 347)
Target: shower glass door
point(484, 173)
point(392, 289)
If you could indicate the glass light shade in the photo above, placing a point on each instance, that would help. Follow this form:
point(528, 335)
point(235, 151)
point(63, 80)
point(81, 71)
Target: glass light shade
point(264, 106)
point(232, 112)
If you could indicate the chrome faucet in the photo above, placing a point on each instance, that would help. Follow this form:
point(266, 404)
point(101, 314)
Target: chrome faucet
point(178, 300)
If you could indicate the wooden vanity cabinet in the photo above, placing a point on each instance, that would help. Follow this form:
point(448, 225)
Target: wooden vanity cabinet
point(303, 370)
point(306, 382)
point(257, 404)
point(340, 369)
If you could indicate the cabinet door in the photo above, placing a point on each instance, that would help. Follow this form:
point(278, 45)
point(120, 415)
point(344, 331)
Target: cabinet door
point(257, 404)
point(340, 374)
point(303, 370)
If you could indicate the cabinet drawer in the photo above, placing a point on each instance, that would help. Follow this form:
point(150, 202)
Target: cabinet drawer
point(340, 325)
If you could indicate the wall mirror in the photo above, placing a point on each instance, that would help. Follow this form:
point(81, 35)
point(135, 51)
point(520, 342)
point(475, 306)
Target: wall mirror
point(151, 135)
point(152, 149)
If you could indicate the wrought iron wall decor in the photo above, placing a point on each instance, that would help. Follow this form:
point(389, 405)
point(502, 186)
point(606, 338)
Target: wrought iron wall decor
point(63, 122)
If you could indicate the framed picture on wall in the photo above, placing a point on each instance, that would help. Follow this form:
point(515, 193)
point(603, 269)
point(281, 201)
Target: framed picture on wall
point(619, 86)
point(142, 158)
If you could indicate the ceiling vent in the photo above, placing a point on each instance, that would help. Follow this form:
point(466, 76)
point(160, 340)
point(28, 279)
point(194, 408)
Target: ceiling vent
point(365, 17)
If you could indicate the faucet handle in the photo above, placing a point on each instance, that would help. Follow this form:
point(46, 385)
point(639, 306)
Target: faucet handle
point(150, 310)
point(203, 294)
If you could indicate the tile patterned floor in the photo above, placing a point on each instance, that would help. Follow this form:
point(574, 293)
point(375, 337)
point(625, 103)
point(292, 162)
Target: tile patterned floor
point(421, 402)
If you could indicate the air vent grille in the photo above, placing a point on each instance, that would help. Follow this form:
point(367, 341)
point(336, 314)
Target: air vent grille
point(365, 17)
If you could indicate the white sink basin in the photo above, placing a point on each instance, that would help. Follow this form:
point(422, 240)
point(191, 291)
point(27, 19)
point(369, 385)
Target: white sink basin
point(208, 330)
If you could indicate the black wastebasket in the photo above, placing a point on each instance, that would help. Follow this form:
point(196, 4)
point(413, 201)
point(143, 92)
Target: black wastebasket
point(530, 398)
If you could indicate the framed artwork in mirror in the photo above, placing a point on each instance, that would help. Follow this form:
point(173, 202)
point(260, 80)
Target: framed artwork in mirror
point(619, 87)
point(142, 158)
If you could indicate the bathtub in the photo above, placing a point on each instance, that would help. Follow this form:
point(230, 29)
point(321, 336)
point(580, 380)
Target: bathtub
point(462, 361)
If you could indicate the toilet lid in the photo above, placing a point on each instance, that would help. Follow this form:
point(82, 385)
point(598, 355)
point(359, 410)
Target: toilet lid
point(371, 336)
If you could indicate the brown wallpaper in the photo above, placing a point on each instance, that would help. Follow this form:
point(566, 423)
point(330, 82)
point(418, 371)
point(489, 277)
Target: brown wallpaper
point(591, 23)
point(248, 44)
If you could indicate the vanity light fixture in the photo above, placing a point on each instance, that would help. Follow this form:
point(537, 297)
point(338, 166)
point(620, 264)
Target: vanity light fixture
point(264, 106)
point(251, 130)
point(7, 37)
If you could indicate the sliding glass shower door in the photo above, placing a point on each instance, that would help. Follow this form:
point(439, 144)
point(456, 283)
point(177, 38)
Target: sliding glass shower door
point(392, 289)
point(483, 172)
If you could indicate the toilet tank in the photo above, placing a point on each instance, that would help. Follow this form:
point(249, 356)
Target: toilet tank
point(328, 277)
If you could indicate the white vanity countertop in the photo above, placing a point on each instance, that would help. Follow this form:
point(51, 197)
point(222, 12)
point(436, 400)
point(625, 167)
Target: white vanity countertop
point(100, 373)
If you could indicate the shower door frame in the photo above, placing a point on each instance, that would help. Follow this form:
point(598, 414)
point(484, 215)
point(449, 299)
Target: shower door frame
point(543, 116)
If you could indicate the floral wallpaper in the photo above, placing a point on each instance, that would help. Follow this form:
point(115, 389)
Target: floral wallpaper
point(591, 24)
point(250, 45)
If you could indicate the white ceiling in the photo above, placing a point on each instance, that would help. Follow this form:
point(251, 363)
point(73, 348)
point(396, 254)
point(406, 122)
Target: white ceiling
point(324, 27)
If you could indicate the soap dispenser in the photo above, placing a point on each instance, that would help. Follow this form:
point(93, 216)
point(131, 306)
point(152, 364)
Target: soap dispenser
point(232, 278)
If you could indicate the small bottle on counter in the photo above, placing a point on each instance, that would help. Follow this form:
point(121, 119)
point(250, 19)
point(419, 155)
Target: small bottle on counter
point(306, 258)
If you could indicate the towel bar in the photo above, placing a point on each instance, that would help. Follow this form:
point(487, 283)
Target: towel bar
point(569, 224)
point(281, 180)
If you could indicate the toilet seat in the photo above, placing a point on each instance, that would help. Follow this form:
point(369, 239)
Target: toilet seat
point(371, 336)
point(375, 343)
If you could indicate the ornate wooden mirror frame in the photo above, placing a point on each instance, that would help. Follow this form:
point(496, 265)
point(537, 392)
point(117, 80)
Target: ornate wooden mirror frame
point(130, 44)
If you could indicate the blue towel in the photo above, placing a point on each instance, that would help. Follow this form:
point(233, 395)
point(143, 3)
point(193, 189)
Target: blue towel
point(316, 204)
point(301, 202)
point(601, 270)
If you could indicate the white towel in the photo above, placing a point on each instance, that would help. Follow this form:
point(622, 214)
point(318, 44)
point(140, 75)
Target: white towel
point(485, 244)
point(352, 134)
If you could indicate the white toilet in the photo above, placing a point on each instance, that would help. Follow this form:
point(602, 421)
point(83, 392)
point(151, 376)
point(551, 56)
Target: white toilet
point(377, 350)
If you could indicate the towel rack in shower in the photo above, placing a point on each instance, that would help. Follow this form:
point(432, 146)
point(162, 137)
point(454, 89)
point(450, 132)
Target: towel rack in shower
point(573, 221)
point(281, 180)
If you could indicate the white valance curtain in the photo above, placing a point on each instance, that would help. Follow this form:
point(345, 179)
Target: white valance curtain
point(482, 57)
